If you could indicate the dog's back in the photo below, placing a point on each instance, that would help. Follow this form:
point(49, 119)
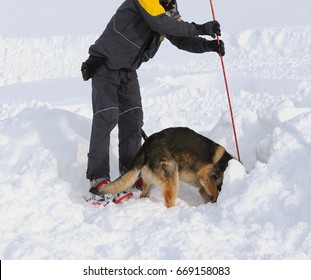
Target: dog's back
point(176, 153)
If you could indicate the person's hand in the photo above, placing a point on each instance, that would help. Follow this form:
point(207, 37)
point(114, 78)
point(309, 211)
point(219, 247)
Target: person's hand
point(212, 46)
point(211, 28)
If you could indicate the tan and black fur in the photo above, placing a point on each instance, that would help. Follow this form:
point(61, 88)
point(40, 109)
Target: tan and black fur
point(173, 154)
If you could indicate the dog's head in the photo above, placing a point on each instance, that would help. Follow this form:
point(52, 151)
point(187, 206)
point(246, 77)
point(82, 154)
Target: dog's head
point(218, 176)
point(219, 169)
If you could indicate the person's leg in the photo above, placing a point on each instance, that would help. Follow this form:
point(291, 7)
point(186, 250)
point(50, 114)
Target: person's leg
point(130, 119)
point(105, 118)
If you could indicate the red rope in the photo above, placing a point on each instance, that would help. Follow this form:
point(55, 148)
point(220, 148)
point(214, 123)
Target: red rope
point(227, 89)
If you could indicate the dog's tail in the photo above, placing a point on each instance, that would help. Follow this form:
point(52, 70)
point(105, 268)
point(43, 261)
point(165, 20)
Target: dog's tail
point(126, 180)
point(123, 183)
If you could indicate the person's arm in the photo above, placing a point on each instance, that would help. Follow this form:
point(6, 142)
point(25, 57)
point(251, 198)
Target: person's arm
point(155, 16)
point(197, 44)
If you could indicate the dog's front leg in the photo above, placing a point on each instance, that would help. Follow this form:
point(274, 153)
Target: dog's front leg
point(208, 183)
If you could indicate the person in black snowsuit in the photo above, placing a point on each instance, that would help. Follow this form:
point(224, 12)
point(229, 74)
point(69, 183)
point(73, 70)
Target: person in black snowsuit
point(133, 36)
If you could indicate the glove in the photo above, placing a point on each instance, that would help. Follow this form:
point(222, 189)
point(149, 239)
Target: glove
point(211, 28)
point(212, 46)
point(90, 66)
point(167, 5)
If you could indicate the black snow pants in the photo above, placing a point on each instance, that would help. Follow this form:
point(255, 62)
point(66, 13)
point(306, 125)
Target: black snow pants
point(116, 100)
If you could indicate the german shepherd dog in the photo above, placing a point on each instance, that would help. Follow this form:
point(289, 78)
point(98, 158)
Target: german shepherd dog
point(173, 154)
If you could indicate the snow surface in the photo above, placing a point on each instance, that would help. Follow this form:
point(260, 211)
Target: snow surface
point(263, 211)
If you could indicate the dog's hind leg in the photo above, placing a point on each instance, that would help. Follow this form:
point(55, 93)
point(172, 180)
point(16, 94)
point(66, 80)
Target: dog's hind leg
point(169, 182)
point(147, 176)
point(208, 183)
point(146, 189)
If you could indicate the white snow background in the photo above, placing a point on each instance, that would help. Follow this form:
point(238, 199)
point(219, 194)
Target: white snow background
point(264, 209)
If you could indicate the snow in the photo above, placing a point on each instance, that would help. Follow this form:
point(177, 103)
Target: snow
point(263, 211)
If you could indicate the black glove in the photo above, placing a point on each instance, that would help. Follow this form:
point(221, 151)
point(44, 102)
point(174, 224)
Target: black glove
point(212, 46)
point(90, 66)
point(211, 28)
point(167, 5)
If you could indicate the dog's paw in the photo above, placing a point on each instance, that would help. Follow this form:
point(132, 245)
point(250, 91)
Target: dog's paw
point(212, 199)
point(142, 195)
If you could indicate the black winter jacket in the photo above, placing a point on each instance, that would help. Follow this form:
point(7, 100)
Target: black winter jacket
point(136, 31)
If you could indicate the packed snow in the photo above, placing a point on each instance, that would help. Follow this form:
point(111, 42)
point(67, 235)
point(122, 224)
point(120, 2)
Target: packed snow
point(263, 211)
